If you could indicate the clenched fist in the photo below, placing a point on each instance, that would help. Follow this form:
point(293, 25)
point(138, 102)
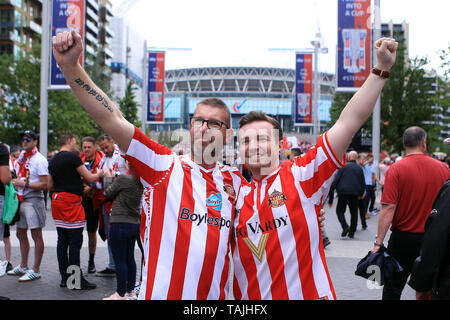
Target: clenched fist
point(386, 49)
point(67, 47)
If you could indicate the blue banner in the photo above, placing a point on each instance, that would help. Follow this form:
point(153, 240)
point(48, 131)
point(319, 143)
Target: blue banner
point(66, 15)
point(303, 88)
point(354, 44)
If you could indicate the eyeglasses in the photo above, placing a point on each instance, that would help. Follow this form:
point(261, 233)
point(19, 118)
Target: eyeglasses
point(211, 123)
point(26, 139)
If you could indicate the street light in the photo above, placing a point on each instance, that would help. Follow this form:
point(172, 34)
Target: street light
point(316, 83)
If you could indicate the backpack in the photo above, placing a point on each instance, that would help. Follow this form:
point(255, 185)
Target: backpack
point(11, 203)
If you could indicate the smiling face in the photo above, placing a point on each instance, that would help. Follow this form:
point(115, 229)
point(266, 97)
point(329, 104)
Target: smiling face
point(259, 147)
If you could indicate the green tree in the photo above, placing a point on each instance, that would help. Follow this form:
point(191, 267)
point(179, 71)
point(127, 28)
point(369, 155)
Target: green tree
point(442, 96)
point(405, 102)
point(20, 103)
point(128, 106)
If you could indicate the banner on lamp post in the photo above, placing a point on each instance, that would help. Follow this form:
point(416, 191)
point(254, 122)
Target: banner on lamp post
point(155, 87)
point(303, 88)
point(354, 44)
point(66, 15)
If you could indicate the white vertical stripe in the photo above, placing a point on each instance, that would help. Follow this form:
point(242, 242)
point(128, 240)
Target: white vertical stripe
point(263, 276)
point(288, 247)
point(262, 268)
point(146, 206)
point(239, 273)
point(169, 234)
point(222, 249)
point(318, 268)
point(197, 242)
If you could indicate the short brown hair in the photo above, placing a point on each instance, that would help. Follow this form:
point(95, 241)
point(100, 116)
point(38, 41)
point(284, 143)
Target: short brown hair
point(88, 139)
point(253, 116)
point(218, 103)
point(65, 138)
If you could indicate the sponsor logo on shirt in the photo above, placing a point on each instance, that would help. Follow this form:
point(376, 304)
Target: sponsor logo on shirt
point(186, 214)
point(264, 229)
point(214, 201)
point(260, 227)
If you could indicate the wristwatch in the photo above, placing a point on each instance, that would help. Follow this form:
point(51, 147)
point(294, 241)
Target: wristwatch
point(376, 244)
point(381, 73)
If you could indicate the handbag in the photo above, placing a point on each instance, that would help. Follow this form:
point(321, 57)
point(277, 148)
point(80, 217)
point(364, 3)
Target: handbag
point(11, 203)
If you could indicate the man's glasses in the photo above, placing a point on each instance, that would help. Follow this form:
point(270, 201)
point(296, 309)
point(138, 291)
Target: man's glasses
point(26, 139)
point(211, 123)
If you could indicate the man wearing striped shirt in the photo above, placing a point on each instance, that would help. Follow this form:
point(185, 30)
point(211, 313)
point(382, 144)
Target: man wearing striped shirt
point(188, 205)
point(277, 249)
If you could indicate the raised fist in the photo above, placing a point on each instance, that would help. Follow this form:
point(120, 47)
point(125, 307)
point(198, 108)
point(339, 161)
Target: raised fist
point(386, 49)
point(67, 47)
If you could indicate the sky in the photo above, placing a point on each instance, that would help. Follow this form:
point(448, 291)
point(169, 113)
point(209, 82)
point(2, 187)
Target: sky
point(241, 32)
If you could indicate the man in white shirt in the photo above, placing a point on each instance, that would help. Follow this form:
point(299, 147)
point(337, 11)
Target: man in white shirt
point(32, 172)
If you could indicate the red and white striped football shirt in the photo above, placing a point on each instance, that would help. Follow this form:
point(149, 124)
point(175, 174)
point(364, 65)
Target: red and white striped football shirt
point(186, 222)
point(277, 244)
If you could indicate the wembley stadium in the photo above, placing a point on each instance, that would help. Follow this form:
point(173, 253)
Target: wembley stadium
point(243, 89)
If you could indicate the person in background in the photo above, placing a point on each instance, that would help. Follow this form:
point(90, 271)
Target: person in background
point(112, 165)
point(65, 180)
point(410, 187)
point(350, 186)
point(126, 190)
point(32, 173)
point(91, 158)
point(5, 178)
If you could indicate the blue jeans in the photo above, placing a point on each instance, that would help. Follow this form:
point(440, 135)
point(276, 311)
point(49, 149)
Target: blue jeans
point(122, 237)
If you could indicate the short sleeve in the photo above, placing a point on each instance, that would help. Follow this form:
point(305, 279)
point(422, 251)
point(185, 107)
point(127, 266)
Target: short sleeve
point(42, 167)
point(149, 160)
point(316, 169)
point(390, 191)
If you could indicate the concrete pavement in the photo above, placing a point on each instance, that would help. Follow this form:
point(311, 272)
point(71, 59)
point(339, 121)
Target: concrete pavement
point(342, 257)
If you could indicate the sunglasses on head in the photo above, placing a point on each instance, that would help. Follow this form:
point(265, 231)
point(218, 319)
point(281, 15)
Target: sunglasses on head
point(26, 139)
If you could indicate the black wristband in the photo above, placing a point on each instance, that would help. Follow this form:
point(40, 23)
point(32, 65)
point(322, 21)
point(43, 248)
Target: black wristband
point(376, 244)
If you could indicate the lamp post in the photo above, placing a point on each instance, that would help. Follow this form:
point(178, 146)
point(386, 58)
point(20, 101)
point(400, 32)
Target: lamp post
point(45, 58)
point(376, 111)
point(316, 84)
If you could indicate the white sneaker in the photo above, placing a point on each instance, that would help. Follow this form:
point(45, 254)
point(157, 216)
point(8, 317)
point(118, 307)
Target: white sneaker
point(30, 275)
point(3, 265)
point(17, 271)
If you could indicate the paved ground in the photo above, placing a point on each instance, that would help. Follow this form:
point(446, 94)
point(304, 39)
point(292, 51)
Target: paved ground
point(342, 258)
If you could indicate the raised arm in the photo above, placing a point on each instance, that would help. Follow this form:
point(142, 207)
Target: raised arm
point(67, 47)
point(359, 108)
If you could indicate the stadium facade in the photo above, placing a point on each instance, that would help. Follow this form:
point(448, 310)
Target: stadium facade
point(243, 89)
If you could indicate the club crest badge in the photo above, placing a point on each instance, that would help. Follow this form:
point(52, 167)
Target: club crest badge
point(229, 190)
point(277, 199)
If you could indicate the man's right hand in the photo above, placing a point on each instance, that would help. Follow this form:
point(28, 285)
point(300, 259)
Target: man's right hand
point(67, 47)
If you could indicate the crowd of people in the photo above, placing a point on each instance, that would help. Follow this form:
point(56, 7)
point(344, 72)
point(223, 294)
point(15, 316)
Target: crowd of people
point(94, 188)
point(195, 210)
